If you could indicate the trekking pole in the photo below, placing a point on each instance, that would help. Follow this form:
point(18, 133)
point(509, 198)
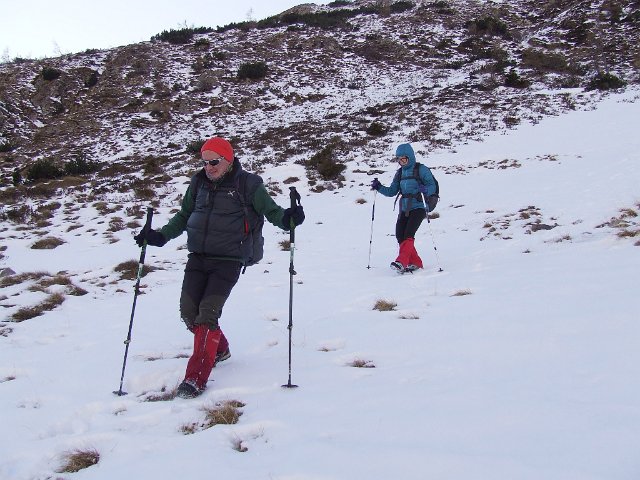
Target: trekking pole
point(136, 288)
point(295, 200)
point(373, 217)
point(431, 232)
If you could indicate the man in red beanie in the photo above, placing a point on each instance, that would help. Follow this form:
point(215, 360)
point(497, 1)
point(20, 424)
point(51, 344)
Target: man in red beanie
point(222, 211)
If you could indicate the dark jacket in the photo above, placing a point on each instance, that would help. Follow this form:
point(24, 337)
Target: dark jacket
point(213, 213)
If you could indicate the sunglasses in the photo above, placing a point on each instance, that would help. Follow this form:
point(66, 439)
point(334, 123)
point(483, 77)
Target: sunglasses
point(213, 163)
point(401, 159)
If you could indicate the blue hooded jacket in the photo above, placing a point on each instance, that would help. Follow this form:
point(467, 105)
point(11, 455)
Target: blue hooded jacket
point(405, 184)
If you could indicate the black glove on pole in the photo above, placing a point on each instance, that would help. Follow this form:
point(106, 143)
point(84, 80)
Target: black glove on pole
point(143, 251)
point(295, 200)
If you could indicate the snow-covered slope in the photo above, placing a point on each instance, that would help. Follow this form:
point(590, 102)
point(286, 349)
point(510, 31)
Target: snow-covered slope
point(519, 361)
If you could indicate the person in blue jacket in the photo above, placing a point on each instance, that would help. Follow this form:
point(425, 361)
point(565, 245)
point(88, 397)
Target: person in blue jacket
point(411, 184)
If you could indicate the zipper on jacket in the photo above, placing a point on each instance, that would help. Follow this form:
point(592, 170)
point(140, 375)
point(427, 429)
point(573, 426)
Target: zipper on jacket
point(210, 195)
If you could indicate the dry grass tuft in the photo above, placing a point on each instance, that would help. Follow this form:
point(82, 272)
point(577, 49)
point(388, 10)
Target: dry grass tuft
point(21, 278)
point(223, 413)
point(129, 270)
point(164, 395)
point(79, 460)
point(628, 233)
point(26, 313)
point(361, 201)
point(116, 224)
point(626, 223)
point(5, 331)
point(361, 363)
point(385, 305)
point(325, 348)
point(43, 281)
point(47, 243)
point(285, 245)
point(461, 293)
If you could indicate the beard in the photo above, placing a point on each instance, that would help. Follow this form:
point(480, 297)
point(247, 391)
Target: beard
point(217, 179)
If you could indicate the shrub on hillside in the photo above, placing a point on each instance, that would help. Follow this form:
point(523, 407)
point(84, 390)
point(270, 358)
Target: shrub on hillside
point(252, 71)
point(605, 81)
point(442, 7)
point(194, 147)
point(81, 166)
point(50, 73)
point(181, 36)
point(377, 129)
point(16, 177)
point(91, 80)
point(402, 6)
point(513, 80)
point(47, 243)
point(202, 43)
point(543, 61)
point(44, 169)
point(325, 164)
point(17, 214)
point(336, 18)
point(488, 25)
point(6, 147)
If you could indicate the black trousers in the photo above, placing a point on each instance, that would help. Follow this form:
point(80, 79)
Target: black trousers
point(206, 286)
point(407, 226)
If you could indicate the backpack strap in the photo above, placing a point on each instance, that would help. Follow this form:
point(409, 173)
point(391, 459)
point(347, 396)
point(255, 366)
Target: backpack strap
point(416, 177)
point(194, 186)
point(241, 185)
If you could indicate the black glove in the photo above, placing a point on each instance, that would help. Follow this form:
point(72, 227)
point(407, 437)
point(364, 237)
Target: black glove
point(151, 236)
point(296, 214)
point(375, 185)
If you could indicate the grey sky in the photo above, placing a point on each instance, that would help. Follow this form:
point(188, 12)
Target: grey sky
point(43, 28)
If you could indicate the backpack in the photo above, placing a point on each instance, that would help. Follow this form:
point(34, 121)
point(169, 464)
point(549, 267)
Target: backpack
point(252, 247)
point(431, 200)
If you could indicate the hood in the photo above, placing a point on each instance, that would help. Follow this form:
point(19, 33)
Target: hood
point(406, 150)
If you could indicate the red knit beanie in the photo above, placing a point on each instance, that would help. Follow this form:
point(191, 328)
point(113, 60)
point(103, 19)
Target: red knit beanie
point(220, 146)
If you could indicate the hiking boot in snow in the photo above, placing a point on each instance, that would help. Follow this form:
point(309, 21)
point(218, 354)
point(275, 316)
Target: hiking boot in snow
point(188, 389)
point(397, 266)
point(411, 268)
point(222, 356)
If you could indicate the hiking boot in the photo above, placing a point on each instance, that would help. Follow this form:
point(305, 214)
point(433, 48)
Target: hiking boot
point(411, 268)
point(222, 356)
point(397, 266)
point(188, 389)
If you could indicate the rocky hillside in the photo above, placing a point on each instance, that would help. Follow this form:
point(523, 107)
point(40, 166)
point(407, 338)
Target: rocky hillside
point(316, 85)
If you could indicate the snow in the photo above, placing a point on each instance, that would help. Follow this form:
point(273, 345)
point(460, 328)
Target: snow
point(532, 374)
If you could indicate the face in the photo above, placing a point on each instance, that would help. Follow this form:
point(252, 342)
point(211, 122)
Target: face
point(214, 172)
point(403, 161)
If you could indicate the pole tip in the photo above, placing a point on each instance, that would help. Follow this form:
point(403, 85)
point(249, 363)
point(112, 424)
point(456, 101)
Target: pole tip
point(289, 385)
point(120, 393)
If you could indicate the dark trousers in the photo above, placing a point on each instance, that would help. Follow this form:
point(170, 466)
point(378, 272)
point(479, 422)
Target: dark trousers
point(407, 226)
point(206, 286)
